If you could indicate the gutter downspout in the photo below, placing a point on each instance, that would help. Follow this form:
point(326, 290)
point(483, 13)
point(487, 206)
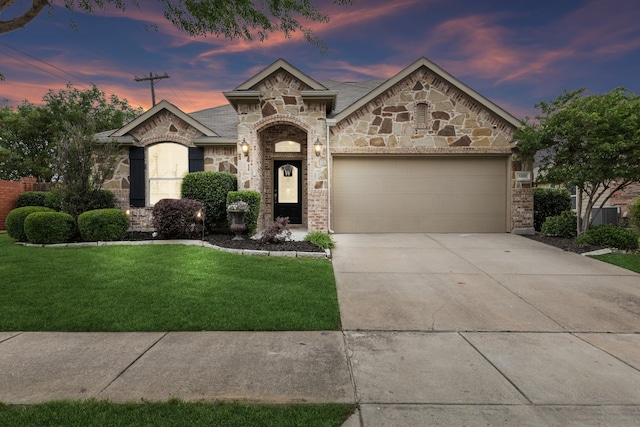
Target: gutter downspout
point(329, 122)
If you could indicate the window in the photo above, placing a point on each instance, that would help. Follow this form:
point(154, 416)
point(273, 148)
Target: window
point(287, 147)
point(168, 164)
point(166, 168)
point(422, 111)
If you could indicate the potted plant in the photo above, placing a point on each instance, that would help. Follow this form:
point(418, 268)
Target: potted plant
point(238, 210)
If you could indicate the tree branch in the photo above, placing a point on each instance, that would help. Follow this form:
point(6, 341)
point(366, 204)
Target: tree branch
point(20, 21)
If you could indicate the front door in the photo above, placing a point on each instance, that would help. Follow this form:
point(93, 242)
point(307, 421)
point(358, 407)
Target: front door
point(287, 193)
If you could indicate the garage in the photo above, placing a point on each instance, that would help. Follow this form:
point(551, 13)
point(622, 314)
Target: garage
point(386, 194)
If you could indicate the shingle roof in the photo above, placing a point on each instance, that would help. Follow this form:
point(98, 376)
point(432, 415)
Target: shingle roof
point(223, 120)
point(350, 92)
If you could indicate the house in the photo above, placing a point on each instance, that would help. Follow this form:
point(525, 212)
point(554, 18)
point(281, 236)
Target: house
point(419, 152)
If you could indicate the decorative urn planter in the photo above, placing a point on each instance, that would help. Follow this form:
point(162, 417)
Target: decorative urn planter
point(238, 211)
point(237, 223)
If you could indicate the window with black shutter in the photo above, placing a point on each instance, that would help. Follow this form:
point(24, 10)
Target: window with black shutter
point(136, 177)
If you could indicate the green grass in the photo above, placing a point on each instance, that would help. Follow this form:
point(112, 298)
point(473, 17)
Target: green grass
point(161, 288)
point(628, 261)
point(172, 413)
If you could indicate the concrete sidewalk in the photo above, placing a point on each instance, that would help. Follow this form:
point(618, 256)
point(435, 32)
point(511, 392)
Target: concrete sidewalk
point(438, 330)
point(273, 367)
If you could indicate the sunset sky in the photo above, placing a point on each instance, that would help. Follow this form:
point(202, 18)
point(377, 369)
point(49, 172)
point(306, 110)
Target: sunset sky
point(515, 53)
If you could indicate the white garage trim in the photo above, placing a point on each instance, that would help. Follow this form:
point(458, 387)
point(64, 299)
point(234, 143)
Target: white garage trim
point(389, 194)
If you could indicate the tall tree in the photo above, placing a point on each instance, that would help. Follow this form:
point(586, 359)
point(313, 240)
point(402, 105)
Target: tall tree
point(84, 165)
point(591, 142)
point(233, 19)
point(29, 133)
point(26, 145)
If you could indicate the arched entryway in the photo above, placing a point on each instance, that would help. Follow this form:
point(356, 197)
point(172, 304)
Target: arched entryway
point(284, 176)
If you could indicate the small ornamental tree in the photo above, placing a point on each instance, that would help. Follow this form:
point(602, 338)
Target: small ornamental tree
point(588, 141)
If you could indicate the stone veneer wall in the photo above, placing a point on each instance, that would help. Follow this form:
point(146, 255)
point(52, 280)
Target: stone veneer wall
point(455, 124)
point(387, 124)
point(281, 105)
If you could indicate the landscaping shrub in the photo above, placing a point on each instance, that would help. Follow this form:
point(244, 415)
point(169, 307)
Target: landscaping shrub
point(49, 227)
point(549, 202)
point(563, 225)
point(52, 200)
point(76, 204)
point(277, 232)
point(609, 236)
point(103, 225)
point(177, 218)
point(253, 200)
point(634, 213)
point(210, 189)
point(320, 239)
point(32, 198)
point(15, 221)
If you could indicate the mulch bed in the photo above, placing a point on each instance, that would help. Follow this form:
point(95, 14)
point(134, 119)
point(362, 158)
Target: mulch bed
point(563, 243)
point(224, 240)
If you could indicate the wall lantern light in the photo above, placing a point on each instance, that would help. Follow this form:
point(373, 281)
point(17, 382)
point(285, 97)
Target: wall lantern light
point(245, 147)
point(317, 146)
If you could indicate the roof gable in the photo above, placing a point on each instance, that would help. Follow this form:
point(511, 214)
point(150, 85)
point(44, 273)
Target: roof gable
point(163, 105)
point(448, 78)
point(280, 64)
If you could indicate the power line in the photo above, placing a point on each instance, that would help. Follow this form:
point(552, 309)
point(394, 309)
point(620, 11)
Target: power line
point(35, 66)
point(42, 61)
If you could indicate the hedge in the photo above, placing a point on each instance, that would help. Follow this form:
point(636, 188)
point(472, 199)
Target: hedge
point(210, 189)
point(609, 236)
point(49, 227)
point(15, 221)
point(563, 225)
point(32, 198)
point(103, 225)
point(177, 218)
point(549, 202)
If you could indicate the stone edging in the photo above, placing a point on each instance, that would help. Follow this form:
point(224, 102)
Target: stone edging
point(288, 254)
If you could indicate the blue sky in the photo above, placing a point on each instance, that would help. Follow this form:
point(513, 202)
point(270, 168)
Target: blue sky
point(515, 53)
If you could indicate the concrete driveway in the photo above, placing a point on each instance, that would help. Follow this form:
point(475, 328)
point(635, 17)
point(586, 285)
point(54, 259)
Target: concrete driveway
point(487, 329)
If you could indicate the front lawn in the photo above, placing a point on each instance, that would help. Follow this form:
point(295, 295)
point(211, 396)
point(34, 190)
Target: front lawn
point(161, 288)
point(173, 413)
point(628, 261)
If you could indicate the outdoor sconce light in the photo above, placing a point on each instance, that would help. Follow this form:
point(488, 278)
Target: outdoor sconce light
point(128, 211)
point(317, 146)
point(245, 147)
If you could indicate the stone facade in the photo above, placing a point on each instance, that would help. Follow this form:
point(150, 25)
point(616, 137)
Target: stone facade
point(281, 112)
point(422, 112)
point(388, 124)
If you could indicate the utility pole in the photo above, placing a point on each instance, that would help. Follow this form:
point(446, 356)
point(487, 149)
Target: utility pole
point(152, 79)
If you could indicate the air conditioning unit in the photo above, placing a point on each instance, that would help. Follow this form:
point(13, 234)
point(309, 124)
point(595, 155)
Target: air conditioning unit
point(608, 215)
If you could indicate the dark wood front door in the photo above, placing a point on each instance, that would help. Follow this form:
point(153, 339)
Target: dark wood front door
point(287, 190)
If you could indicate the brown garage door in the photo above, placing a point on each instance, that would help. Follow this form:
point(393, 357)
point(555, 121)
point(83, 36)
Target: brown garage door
point(419, 194)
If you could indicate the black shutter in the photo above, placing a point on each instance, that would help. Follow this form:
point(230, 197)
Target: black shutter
point(136, 177)
point(196, 159)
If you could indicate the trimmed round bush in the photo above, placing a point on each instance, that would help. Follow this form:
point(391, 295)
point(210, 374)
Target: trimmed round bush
point(549, 202)
point(177, 218)
point(103, 225)
point(210, 189)
point(15, 221)
point(609, 236)
point(32, 198)
point(49, 227)
point(252, 198)
point(563, 225)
